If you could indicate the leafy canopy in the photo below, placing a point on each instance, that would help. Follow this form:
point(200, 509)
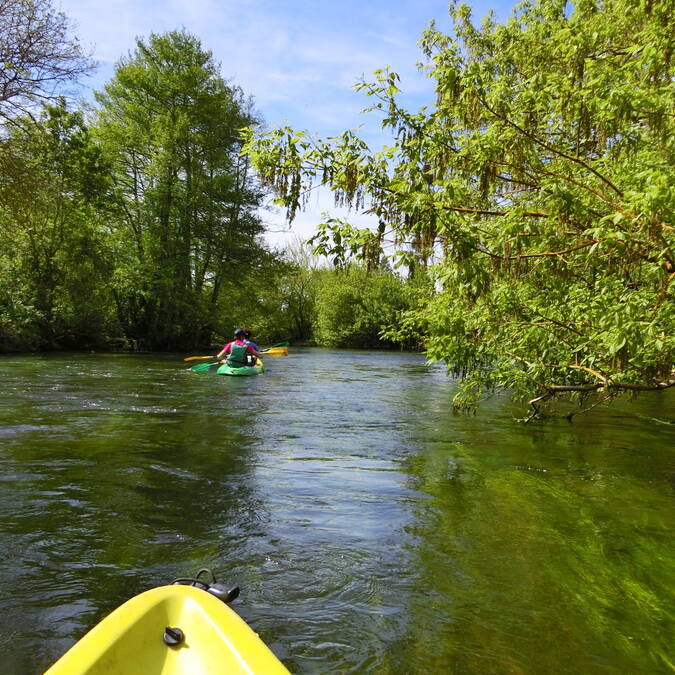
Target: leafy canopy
point(353, 305)
point(186, 222)
point(539, 183)
point(53, 257)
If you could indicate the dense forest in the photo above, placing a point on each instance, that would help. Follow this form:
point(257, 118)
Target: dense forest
point(525, 231)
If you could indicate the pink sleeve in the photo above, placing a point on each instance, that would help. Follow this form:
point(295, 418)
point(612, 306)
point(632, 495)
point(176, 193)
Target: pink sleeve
point(227, 348)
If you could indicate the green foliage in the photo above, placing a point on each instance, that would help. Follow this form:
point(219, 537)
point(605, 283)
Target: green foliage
point(539, 184)
point(254, 300)
point(354, 306)
point(276, 299)
point(54, 264)
point(286, 297)
point(142, 231)
point(18, 325)
point(186, 222)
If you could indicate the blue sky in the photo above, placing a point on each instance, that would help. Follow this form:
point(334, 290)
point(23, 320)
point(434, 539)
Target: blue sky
point(299, 59)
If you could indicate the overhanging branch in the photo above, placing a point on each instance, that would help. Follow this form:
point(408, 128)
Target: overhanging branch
point(617, 386)
point(481, 212)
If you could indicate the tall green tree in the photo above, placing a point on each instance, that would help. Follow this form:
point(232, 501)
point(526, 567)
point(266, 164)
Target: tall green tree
point(52, 250)
point(187, 223)
point(541, 178)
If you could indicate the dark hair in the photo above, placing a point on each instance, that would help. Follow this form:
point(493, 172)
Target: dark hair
point(239, 331)
point(247, 333)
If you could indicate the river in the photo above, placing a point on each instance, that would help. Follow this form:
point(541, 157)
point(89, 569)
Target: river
point(371, 530)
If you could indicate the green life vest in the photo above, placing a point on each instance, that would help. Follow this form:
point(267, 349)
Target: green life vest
point(237, 356)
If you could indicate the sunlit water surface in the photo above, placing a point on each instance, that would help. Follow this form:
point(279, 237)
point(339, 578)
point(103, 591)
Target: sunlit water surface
point(370, 529)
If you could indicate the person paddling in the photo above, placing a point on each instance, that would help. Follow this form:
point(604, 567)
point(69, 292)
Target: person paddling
point(248, 341)
point(237, 350)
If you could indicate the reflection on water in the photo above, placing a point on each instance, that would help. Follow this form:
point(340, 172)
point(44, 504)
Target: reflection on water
point(371, 530)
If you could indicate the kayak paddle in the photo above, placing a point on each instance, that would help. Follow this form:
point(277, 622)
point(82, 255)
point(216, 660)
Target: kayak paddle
point(201, 367)
point(272, 351)
point(280, 349)
point(276, 351)
point(274, 346)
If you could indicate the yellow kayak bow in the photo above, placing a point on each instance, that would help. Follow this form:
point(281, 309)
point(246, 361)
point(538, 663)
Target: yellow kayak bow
point(170, 630)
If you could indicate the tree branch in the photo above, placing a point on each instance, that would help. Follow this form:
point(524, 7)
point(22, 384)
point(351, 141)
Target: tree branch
point(482, 212)
point(619, 386)
point(583, 244)
point(550, 148)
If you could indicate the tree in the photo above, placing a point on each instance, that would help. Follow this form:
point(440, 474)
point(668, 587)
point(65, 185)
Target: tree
point(187, 222)
point(298, 290)
point(54, 262)
point(354, 305)
point(38, 55)
point(280, 296)
point(542, 180)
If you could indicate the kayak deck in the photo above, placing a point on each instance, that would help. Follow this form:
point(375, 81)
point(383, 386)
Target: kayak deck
point(244, 370)
point(129, 641)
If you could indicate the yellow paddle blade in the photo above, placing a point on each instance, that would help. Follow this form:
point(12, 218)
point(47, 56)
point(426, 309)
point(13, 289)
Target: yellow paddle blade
point(276, 351)
point(193, 358)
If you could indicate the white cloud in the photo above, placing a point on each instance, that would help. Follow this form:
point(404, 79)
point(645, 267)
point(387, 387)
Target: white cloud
point(289, 52)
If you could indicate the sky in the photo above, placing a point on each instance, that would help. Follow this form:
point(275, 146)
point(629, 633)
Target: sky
point(298, 59)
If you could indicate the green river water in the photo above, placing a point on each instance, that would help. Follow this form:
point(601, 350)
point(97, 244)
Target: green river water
point(370, 529)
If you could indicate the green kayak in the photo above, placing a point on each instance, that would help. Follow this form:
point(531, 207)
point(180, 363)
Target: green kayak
point(244, 370)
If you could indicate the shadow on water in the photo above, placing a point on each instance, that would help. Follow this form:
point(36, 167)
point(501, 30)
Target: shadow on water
point(370, 529)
